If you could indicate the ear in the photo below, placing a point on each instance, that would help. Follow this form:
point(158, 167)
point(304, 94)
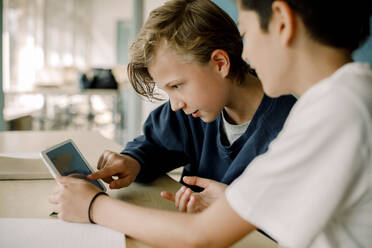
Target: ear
point(283, 22)
point(221, 59)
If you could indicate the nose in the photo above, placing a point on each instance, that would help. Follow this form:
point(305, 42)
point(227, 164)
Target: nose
point(176, 104)
point(244, 54)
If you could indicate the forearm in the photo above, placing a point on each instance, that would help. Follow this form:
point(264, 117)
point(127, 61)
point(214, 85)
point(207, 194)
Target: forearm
point(155, 227)
point(171, 229)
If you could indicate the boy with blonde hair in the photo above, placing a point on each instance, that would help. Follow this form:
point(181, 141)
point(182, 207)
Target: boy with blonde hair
point(217, 119)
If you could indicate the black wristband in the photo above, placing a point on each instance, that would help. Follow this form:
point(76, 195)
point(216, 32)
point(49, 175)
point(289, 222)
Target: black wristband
point(91, 203)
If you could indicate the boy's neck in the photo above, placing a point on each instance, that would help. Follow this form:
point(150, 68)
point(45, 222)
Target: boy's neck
point(316, 64)
point(244, 101)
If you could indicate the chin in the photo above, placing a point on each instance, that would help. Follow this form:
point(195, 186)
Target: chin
point(208, 119)
point(272, 91)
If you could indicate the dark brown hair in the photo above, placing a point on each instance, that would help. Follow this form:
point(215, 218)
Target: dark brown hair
point(340, 24)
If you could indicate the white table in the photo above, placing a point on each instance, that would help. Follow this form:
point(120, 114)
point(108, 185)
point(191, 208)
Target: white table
point(29, 198)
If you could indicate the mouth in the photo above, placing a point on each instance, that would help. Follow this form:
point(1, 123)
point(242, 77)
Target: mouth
point(196, 114)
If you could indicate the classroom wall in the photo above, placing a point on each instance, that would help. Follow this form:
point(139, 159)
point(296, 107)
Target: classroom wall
point(105, 15)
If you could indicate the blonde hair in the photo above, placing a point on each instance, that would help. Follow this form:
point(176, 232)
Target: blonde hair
point(194, 28)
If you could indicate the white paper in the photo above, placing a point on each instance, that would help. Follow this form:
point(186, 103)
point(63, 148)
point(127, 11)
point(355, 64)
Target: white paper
point(46, 233)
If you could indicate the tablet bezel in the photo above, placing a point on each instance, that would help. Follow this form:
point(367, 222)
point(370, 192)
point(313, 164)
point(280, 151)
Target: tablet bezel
point(53, 170)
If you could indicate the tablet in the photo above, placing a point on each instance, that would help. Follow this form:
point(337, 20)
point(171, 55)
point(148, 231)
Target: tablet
point(65, 159)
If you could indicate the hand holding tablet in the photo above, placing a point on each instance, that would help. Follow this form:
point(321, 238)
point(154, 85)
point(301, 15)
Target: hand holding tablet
point(65, 159)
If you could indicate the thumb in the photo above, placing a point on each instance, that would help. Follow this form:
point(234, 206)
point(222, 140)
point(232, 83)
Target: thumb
point(168, 196)
point(197, 181)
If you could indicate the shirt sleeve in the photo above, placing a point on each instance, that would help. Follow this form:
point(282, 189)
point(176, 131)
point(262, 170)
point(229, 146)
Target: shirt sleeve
point(293, 190)
point(162, 147)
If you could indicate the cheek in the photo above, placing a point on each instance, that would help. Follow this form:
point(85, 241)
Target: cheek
point(271, 80)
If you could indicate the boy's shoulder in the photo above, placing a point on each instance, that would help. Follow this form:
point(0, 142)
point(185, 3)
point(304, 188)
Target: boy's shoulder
point(356, 78)
point(342, 98)
point(352, 79)
point(351, 84)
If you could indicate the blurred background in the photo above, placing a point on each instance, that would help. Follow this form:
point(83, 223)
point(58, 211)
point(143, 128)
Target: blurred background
point(64, 65)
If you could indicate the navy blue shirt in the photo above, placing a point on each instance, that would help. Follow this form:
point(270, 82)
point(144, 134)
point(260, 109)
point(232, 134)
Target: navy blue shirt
point(173, 139)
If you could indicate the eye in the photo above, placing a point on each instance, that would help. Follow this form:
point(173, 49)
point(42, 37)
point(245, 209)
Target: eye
point(242, 35)
point(176, 86)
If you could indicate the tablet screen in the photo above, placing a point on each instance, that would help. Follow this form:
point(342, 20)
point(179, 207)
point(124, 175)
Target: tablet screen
point(67, 160)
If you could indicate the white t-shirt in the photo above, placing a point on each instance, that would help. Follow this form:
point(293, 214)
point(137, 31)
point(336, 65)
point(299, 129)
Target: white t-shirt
point(233, 132)
point(313, 188)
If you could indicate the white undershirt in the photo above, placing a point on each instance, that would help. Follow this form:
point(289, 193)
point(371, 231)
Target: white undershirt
point(233, 132)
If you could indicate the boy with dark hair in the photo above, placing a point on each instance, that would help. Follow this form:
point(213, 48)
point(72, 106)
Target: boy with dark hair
point(313, 187)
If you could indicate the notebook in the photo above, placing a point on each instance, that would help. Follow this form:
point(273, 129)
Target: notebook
point(22, 168)
point(46, 233)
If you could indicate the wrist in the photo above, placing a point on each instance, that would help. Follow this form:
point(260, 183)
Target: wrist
point(133, 159)
point(92, 203)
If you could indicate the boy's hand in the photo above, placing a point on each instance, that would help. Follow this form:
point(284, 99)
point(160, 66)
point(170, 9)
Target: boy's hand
point(112, 164)
point(188, 201)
